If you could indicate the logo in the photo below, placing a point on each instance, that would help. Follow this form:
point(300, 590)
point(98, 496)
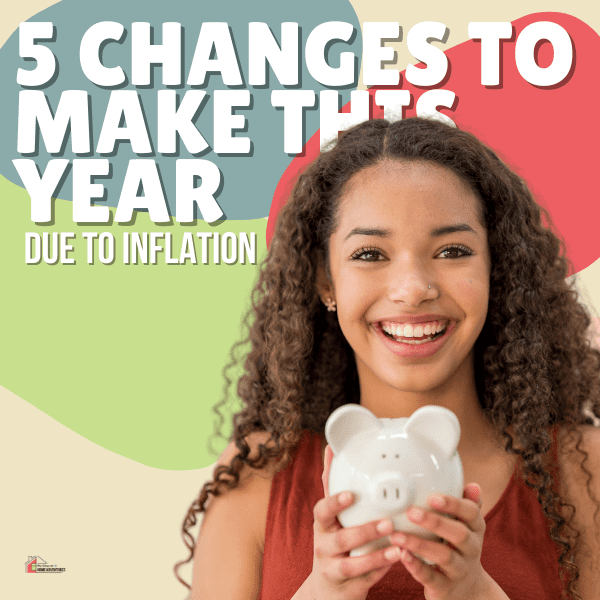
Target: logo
point(36, 564)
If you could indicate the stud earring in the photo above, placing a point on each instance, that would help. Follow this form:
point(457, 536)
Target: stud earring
point(331, 305)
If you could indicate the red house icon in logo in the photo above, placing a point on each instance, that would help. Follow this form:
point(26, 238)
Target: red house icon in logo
point(31, 565)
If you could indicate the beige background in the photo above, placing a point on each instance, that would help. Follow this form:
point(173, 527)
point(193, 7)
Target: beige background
point(111, 522)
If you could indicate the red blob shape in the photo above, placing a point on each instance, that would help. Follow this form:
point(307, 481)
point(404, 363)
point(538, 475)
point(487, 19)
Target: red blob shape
point(548, 136)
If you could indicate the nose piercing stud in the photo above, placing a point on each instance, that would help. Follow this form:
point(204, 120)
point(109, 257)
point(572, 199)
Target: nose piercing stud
point(331, 305)
point(428, 287)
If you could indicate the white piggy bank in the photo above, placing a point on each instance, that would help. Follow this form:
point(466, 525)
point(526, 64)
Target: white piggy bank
point(392, 464)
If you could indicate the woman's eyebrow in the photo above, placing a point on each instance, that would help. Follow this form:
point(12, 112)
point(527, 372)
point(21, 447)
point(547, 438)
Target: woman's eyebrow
point(369, 231)
point(440, 231)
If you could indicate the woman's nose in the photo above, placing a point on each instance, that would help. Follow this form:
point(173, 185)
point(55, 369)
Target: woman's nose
point(410, 283)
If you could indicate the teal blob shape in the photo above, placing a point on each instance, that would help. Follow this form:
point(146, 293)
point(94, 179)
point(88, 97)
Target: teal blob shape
point(247, 181)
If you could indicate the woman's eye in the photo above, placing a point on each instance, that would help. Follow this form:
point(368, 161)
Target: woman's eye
point(368, 255)
point(455, 252)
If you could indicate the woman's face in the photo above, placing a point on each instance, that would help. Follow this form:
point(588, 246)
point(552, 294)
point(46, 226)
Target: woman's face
point(410, 268)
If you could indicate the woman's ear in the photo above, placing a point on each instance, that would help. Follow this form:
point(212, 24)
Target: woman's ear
point(324, 285)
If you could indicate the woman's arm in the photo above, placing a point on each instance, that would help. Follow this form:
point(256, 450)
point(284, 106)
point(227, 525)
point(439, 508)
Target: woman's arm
point(228, 555)
point(574, 488)
point(230, 547)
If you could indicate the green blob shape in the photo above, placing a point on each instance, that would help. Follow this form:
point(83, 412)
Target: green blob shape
point(128, 356)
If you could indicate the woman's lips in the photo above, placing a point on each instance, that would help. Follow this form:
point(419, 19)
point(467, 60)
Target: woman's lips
point(421, 349)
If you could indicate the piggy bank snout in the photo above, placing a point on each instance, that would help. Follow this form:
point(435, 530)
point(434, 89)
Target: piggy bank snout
point(392, 492)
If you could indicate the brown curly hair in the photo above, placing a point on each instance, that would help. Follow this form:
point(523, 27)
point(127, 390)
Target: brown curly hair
point(535, 365)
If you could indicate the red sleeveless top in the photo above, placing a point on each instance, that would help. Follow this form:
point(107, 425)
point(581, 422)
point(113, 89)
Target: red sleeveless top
point(518, 552)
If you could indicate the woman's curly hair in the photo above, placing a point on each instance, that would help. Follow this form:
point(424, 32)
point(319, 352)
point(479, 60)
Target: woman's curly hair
point(535, 364)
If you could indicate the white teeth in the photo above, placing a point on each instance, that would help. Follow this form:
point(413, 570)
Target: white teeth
point(408, 330)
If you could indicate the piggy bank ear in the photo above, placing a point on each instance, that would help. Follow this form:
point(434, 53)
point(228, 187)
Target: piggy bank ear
point(346, 421)
point(437, 424)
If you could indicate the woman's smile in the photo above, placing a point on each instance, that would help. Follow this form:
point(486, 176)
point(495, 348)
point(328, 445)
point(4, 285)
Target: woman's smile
point(414, 341)
point(409, 265)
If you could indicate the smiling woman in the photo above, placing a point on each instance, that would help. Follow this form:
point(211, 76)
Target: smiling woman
point(410, 267)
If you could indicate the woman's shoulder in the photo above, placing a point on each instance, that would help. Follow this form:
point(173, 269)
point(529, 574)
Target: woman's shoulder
point(251, 478)
point(579, 447)
point(579, 469)
point(254, 441)
point(579, 465)
point(231, 537)
point(254, 484)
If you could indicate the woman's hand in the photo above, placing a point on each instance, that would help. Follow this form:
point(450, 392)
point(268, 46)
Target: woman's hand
point(457, 572)
point(335, 574)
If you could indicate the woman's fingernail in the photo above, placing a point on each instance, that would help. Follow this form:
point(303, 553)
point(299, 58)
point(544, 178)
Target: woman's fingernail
point(385, 527)
point(437, 501)
point(416, 514)
point(392, 553)
point(345, 498)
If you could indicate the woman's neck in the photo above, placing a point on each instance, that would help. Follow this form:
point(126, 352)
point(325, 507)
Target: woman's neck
point(478, 436)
